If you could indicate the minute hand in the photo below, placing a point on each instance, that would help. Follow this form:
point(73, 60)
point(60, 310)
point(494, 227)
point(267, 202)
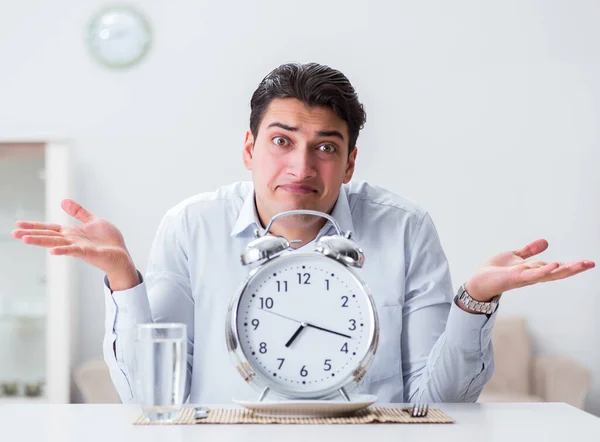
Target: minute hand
point(329, 331)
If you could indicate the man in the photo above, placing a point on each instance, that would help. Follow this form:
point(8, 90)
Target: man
point(301, 149)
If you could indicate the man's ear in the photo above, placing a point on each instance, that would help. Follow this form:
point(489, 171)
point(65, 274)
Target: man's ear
point(248, 150)
point(350, 166)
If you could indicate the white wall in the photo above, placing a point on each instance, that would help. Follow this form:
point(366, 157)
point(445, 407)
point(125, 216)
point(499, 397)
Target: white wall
point(485, 113)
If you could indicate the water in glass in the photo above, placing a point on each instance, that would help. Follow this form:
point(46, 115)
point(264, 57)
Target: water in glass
point(160, 369)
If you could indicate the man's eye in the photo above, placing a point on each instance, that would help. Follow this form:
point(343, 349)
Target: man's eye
point(327, 148)
point(280, 141)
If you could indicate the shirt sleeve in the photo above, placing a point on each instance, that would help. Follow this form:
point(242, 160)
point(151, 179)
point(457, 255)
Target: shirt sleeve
point(447, 352)
point(165, 295)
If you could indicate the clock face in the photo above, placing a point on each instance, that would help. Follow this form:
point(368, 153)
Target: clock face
point(119, 37)
point(305, 323)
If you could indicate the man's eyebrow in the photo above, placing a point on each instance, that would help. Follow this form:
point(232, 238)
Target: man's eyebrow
point(330, 133)
point(283, 126)
point(321, 133)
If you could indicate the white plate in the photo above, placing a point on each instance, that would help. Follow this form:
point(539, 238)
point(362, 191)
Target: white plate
point(309, 408)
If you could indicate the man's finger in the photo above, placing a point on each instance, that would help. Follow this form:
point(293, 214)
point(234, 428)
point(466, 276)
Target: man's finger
point(38, 225)
point(72, 250)
point(534, 264)
point(574, 265)
point(532, 249)
point(20, 233)
point(77, 211)
point(530, 276)
point(568, 269)
point(45, 241)
point(77, 251)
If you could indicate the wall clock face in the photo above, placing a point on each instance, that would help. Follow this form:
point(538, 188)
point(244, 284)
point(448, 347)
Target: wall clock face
point(119, 37)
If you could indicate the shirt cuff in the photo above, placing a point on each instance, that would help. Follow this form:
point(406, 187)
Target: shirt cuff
point(469, 331)
point(127, 308)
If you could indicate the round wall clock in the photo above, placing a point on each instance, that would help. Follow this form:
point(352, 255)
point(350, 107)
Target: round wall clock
point(119, 36)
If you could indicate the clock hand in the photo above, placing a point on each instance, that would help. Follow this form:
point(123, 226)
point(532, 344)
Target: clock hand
point(306, 324)
point(282, 316)
point(329, 331)
point(295, 335)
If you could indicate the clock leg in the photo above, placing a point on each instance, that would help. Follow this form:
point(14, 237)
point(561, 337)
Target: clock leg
point(263, 394)
point(344, 394)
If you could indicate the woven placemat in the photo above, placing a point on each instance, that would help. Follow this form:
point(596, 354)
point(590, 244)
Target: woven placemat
point(365, 416)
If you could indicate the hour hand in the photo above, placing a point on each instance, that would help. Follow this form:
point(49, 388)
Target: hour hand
point(295, 335)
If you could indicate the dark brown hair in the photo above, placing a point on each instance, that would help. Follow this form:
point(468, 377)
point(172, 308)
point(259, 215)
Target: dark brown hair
point(314, 85)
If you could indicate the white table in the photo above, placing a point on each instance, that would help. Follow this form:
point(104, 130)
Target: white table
point(474, 422)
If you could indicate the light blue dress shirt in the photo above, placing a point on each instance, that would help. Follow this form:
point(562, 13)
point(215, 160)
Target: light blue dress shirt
point(429, 350)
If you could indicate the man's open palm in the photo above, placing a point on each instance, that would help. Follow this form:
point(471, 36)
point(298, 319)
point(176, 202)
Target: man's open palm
point(96, 241)
point(510, 270)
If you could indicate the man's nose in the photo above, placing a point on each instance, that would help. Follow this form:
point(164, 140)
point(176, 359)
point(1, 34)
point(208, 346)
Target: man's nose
point(301, 163)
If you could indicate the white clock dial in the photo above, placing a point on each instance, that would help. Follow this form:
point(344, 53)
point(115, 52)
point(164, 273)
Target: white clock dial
point(304, 322)
point(119, 36)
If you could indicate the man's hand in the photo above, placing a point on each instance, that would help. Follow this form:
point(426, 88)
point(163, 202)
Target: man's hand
point(510, 270)
point(96, 241)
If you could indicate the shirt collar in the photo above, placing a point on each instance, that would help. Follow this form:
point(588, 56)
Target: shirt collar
point(341, 213)
point(248, 216)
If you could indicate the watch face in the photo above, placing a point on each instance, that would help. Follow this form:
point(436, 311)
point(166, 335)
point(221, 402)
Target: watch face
point(119, 37)
point(305, 323)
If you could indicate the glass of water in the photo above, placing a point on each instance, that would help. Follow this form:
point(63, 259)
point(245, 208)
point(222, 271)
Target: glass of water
point(160, 369)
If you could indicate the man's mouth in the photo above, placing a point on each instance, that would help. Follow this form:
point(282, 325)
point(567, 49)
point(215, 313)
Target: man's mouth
point(298, 189)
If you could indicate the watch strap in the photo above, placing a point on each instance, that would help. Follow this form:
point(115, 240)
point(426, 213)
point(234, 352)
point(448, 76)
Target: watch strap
point(488, 307)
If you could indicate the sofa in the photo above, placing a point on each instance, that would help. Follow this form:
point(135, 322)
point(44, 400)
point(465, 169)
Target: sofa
point(522, 376)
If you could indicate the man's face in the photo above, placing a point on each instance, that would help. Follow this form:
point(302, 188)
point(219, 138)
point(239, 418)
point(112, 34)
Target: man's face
point(299, 160)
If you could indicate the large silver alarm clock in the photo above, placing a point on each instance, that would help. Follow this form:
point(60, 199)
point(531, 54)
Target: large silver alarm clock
point(302, 324)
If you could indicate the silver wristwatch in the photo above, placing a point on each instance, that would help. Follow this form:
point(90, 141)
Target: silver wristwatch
point(481, 307)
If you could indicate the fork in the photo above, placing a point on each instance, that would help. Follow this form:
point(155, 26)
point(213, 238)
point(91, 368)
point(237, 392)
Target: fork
point(420, 410)
point(201, 412)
